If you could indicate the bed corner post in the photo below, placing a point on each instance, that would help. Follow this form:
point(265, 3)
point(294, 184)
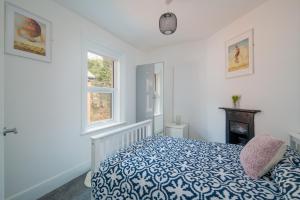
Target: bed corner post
point(93, 162)
point(149, 129)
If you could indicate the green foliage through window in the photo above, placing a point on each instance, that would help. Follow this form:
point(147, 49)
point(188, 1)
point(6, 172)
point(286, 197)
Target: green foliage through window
point(100, 77)
point(100, 72)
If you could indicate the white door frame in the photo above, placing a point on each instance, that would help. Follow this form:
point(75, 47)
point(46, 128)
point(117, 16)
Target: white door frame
point(2, 196)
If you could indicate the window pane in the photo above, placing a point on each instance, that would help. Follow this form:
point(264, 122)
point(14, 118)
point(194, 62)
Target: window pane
point(100, 71)
point(99, 107)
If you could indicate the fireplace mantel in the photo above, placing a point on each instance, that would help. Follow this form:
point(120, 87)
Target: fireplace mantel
point(239, 125)
point(240, 110)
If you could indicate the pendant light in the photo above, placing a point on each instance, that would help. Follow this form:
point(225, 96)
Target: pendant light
point(168, 23)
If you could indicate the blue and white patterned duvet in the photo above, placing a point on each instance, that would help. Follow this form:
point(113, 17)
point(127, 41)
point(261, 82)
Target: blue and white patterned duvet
point(168, 168)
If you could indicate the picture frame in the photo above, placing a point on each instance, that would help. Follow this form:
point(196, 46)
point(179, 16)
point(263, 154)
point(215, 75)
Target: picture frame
point(26, 34)
point(239, 55)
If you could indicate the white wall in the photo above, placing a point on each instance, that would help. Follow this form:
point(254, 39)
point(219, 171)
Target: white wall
point(274, 87)
point(201, 86)
point(183, 65)
point(43, 100)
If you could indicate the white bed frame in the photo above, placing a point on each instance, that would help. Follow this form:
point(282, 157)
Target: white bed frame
point(295, 140)
point(106, 144)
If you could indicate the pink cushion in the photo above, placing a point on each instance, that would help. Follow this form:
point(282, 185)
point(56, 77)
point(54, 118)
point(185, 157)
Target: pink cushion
point(260, 154)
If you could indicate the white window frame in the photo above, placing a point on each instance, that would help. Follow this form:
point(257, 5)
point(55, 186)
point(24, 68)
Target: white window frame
point(116, 110)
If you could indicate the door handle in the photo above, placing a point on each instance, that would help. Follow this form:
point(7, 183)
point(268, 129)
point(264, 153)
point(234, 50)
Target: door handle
point(9, 130)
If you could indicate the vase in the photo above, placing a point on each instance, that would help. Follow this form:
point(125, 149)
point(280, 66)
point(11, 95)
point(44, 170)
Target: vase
point(236, 104)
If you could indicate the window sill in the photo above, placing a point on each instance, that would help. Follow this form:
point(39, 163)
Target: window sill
point(103, 128)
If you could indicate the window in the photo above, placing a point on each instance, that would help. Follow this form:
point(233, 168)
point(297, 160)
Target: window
point(101, 94)
point(157, 94)
point(158, 89)
point(100, 88)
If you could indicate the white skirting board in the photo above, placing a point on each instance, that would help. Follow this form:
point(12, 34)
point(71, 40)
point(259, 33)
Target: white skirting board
point(52, 183)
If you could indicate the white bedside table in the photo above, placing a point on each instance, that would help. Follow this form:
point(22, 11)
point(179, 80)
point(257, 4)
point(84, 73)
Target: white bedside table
point(179, 131)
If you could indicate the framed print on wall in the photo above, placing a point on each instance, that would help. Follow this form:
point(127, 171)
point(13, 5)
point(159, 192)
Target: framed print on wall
point(239, 55)
point(26, 34)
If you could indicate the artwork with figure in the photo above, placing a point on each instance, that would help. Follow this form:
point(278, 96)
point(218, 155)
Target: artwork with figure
point(238, 56)
point(29, 35)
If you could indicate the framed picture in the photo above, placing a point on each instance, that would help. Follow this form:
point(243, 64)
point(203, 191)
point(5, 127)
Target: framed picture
point(239, 55)
point(26, 34)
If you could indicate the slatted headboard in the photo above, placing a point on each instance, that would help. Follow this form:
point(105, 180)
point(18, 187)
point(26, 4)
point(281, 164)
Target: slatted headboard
point(106, 144)
point(295, 141)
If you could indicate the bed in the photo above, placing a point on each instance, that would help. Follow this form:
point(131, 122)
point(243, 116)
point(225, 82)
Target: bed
point(151, 167)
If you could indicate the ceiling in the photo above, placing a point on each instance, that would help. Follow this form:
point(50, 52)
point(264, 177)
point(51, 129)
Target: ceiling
point(136, 21)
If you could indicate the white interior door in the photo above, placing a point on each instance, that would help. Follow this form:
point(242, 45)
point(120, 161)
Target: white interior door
point(1, 135)
point(144, 92)
point(1, 99)
point(1, 128)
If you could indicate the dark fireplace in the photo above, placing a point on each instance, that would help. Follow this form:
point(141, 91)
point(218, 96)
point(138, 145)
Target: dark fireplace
point(239, 125)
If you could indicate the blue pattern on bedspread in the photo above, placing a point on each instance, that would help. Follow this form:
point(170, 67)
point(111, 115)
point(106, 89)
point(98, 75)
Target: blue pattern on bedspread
point(168, 168)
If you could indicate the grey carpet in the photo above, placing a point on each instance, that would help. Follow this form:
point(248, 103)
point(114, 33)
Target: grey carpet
point(74, 190)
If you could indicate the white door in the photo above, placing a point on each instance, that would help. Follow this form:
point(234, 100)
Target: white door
point(144, 92)
point(1, 128)
point(1, 99)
